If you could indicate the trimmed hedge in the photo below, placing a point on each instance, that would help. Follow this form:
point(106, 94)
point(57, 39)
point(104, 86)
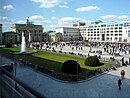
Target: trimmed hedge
point(92, 61)
point(71, 67)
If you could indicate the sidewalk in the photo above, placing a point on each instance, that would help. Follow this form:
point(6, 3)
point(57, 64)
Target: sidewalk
point(101, 86)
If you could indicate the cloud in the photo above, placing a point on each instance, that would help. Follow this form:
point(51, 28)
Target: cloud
point(47, 3)
point(65, 3)
point(68, 21)
point(87, 8)
point(53, 17)
point(110, 17)
point(123, 17)
point(21, 21)
point(8, 7)
point(37, 19)
point(6, 22)
point(63, 6)
point(3, 19)
point(52, 26)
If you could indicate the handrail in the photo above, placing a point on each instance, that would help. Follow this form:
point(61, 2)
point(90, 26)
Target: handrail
point(24, 85)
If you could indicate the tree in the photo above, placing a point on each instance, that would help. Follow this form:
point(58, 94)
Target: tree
point(71, 67)
point(92, 61)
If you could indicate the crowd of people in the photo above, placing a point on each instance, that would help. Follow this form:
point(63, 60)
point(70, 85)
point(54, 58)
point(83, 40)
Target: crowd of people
point(111, 48)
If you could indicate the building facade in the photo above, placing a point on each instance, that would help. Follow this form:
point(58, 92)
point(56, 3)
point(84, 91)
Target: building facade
point(32, 33)
point(55, 37)
point(97, 32)
point(75, 33)
point(9, 37)
point(68, 33)
point(1, 34)
point(110, 32)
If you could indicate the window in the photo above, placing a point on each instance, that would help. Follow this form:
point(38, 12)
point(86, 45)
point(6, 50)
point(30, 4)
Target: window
point(112, 25)
point(116, 24)
point(120, 39)
point(120, 27)
point(125, 40)
point(103, 25)
point(120, 24)
point(116, 38)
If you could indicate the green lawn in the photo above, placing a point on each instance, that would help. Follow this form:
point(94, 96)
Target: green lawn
point(54, 61)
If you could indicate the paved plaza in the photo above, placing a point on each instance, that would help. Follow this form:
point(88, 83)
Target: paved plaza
point(86, 50)
point(104, 85)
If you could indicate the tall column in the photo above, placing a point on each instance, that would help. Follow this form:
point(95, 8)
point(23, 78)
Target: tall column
point(29, 36)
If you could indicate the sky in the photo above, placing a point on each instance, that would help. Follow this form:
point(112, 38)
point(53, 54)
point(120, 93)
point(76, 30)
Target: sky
point(58, 13)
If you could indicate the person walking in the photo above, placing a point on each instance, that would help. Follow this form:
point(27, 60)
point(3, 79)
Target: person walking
point(122, 74)
point(119, 84)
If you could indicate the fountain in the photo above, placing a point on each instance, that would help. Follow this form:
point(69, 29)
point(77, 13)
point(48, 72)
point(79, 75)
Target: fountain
point(23, 44)
point(23, 47)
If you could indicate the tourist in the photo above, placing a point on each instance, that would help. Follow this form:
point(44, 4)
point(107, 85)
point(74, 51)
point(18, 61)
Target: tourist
point(119, 84)
point(122, 74)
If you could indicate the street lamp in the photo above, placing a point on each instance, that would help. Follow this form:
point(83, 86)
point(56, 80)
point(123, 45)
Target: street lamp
point(90, 48)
